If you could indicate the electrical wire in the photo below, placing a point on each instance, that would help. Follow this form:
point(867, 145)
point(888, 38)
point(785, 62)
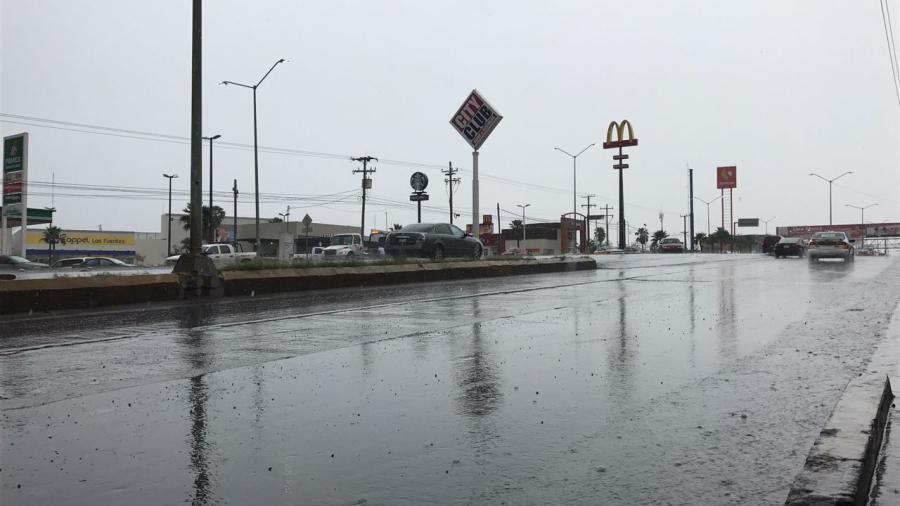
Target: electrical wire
point(892, 48)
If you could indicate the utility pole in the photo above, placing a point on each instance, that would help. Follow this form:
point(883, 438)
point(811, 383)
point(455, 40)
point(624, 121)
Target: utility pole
point(366, 185)
point(830, 182)
point(684, 227)
point(587, 216)
point(234, 216)
point(499, 223)
point(209, 238)
point(606, 209)
point(450, 181)
point(691, 190)
point(170, 177)
point(196, 134)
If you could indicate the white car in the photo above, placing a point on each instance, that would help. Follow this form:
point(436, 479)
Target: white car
point(220, 254)
point(345, 246)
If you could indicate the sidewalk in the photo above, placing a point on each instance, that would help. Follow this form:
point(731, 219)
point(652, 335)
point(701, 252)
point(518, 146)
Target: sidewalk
point(886, 491)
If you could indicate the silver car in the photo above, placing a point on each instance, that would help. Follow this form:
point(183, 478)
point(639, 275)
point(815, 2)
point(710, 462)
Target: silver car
point(830, 245)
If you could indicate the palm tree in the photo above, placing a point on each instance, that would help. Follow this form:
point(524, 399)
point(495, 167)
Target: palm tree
point(599, 237)
point(642, 236)
point(397, 227)
point(659, 235)
point(52, 236)
point(218, 216)
point(276, 220)
point(720, 237)
point(699, 238)
point(517, 229)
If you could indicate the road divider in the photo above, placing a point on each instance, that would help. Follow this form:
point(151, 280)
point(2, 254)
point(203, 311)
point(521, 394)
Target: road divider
point(41, 295)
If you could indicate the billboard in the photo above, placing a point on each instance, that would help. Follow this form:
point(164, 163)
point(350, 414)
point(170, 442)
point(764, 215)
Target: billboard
point(726, 177)
point(15, 173)
point(475, 120)
point(854, 230)
point(81, 240)
point(748, 222)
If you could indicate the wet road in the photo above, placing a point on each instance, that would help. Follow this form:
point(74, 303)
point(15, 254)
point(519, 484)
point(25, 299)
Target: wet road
point(656, 379)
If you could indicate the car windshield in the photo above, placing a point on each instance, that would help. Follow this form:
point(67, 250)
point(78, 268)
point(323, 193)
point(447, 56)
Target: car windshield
point(19, 260)
point(419, 227)
point(116, 261)
point(789, 240)
point(342, 240)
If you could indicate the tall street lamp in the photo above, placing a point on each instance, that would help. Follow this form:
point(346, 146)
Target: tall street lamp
point(523, 206)
point(830, 181)
point(767, 224)
point(708, 202)
point(574, 184)
point(255, 145)
point(210, 237)
point(862, 218)
point(169, 216)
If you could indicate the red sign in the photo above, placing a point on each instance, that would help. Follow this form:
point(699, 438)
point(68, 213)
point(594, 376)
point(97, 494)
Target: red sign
point(726, 177)
point(15, 187)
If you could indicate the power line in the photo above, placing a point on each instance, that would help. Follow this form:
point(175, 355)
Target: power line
point(892, 48)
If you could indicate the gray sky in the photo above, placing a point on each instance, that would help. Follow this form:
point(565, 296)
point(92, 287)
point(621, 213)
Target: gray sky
point(779, 89)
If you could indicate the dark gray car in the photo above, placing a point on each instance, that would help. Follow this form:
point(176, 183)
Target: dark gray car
point(432, 240)
point(14, 263)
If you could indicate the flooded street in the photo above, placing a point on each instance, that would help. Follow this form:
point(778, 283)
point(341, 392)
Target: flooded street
point(682, 379)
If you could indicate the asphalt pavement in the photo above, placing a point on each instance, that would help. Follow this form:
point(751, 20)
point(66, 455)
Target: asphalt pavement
point(682, 379)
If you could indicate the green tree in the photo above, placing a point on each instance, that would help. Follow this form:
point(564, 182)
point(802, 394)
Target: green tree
point(720, 237)
point(396, 227)
point(518, 229)
point(52, 236)
point(659, 235)
point(218, 216)
point(599, 235)
point(642, 236)
point(276, 219)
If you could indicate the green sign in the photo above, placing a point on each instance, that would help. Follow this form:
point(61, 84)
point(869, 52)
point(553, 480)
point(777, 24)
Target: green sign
point(14, 153)
point(12, 198)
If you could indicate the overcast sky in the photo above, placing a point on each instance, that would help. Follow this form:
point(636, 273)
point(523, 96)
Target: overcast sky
point(778, 88)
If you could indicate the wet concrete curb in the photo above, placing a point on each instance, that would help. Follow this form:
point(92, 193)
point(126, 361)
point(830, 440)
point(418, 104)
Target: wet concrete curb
point(40, 295)
point(289, 280)
point(27, 295)
point(842, 463)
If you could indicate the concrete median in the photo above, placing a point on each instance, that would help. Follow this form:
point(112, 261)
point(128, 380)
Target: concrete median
point(40, 295)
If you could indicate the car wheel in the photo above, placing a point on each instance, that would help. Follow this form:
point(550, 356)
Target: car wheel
point(476, 254)
point(349, 254)
point(438, 253)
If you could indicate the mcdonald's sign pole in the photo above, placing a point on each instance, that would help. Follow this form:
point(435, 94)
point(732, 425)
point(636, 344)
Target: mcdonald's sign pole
point(624, 138)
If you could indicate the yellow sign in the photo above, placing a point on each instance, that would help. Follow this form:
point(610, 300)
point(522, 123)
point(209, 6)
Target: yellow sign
point(621, 140)
point(84, 240)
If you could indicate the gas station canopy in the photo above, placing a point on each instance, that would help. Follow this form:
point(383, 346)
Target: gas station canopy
point(35, 217)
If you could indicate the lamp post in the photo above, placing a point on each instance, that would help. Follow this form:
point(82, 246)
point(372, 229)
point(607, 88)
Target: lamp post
point(169, 216)
point(574, 185)
point(830, 181)
point(286, 216)
point(862, 218)
point(523, 206)
point(210, 236)
point(255, 145)
point(708, 202)
point(767, 224)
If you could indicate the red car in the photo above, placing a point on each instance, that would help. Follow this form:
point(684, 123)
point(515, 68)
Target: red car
point(671, 245)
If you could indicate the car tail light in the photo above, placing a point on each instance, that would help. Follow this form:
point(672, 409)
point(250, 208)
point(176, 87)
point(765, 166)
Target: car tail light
point(813, 243)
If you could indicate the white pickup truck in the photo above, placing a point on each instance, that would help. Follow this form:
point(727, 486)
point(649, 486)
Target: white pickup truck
point(344, 245)
point(220, 254)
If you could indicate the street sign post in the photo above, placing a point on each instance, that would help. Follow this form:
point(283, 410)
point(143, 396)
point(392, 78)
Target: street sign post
point(748, 222)
point(306, 221)
point(726, 179)
point(418, 197)
point(624, 138)
point(418, 181)
point(15, 190)
point(475, 120)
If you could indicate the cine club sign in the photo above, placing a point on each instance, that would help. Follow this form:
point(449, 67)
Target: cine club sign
point(15, 169)
point(475, 120)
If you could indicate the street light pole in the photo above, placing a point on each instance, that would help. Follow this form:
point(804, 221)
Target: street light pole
point(255, 143)
point(767, 224)
point(862, 218)
point(708, 202)
point(169, 216)
point(523, 206)
point(830, 182)
point(574, 184)
point(210, 234)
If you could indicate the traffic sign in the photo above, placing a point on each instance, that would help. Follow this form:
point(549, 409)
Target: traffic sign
point(307, 221)
point(418, 197)
point(748, 222)
point(418, 181)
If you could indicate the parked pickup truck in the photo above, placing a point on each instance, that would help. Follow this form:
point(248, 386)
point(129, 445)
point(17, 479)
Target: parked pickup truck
point(221, 254)
point(345, 245)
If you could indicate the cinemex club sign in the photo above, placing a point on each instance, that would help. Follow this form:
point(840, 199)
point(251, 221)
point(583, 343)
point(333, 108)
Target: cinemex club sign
point(475, 120)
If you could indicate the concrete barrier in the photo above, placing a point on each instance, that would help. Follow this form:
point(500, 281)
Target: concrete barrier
point(841, 465)
point(27, 295)
point(23, 296)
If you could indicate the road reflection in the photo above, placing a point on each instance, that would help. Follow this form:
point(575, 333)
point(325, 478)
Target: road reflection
point(727, 317)
point(479, 385)
point(621, 357)
point(196, 354)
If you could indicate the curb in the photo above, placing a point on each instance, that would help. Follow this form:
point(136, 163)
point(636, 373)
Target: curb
point(40, 295)
point(842, 462)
